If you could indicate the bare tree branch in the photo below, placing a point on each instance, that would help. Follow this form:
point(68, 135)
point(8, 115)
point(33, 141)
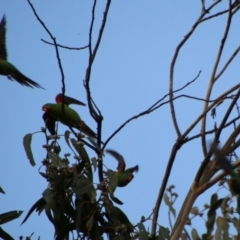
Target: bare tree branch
point(92, 54)
point(216, 139)
point(93, 109)
point(235, 8)
point(54, 43)
point(227, 63)
point(174, 61)
point(213, 77)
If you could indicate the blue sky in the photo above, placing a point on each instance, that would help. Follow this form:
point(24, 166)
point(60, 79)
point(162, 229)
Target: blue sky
point(130, 73)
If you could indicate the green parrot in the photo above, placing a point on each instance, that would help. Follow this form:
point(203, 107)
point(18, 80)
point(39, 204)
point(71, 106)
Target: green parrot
point(6, 68)
point(68, 117)
point(224, 163)
point(50, 121)
point(124, 176)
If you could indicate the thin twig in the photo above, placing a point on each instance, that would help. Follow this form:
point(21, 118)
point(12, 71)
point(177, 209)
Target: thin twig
point(202, 99)
point(54, 42)
point(212, 131)
point(214, 15)
point(234, 8)
point(227, 63)
point(208, 109)
point(93, 109)
point(92, 55)
point(154, 107)
point(66, 47)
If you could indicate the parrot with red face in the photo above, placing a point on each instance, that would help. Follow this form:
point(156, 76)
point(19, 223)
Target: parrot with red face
point(67, 116)
point(6, 68)
point(50, 120)
point(124, 176)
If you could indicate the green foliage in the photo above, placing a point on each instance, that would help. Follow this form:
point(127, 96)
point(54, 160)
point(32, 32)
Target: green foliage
point(169, 204)
point(164, 233)
point(5, 218)
point(9, 216)
point(72, 202)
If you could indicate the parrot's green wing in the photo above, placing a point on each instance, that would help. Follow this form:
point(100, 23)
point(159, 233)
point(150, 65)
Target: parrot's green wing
point(7, 68)
point(3, 50)
point(66, 115)
point(124, 178)
point(63, 114)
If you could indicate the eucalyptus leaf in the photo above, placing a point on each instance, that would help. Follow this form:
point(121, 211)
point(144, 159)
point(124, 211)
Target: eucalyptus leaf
point(4, 235)
point(84, 156)
point(9, 216)
point(56, 160)
point(163, 233)
point(43, 174)
point(121, 216)
point(83, 185)
point(116, 200)
point(66, 136)
point(143, 235)
point(94, 163)
point(113, 181)
point(214, 198)
point(169, 204)
point(27, 146)
point(37, 206)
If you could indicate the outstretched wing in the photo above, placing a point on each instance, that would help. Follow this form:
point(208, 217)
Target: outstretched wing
point(119, 158)
point(3, 50)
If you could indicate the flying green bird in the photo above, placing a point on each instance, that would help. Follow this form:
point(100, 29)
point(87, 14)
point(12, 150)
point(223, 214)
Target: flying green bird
point(50, 121)
point(124, 176)
point(6, 68)
point(67, 116)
